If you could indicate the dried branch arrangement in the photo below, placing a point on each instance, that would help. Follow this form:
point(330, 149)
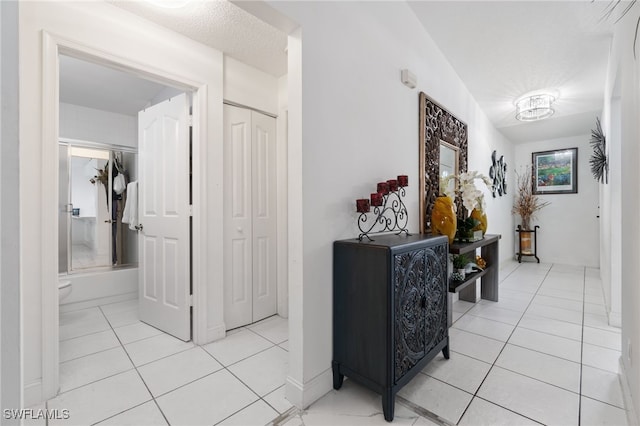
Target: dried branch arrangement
point(526, 203)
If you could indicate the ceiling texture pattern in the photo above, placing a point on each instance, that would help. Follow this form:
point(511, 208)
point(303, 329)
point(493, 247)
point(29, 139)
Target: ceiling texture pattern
point(223, 26)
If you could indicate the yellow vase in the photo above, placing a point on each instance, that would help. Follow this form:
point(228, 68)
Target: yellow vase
point(443, 218)
point(480, 216)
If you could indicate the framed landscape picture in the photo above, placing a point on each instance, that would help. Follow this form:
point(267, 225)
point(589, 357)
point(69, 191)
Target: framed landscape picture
point(555, 172)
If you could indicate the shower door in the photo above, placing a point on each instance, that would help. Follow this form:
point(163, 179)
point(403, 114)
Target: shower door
point(91, 234)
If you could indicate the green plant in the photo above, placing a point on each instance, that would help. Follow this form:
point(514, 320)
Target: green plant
point(460, 261)
point(465, 226)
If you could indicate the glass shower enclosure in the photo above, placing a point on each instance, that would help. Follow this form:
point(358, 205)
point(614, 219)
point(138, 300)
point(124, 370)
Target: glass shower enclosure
point(92, 197)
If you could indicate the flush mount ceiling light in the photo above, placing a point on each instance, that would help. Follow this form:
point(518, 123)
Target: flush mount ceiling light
point(535, 107)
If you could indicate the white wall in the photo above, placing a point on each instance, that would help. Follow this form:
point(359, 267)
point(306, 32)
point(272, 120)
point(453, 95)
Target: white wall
point(623, 87)
point(611, 203)
point(125, 38)
point(94, 125)
point(359, 125)
point(10, 310)
point(569, 228)
point(282, 202)
point(248, 86)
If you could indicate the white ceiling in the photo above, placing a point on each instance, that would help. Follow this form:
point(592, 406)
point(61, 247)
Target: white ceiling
point(223, 26)
point(502, 50)
point(96, 86)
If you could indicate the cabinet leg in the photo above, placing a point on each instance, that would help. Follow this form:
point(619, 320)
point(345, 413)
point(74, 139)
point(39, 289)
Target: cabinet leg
point(537, 258)
point(388, 404)
point(337, 377)
point(445, 352)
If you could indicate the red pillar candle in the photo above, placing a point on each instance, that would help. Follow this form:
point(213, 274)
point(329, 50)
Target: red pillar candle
point(376, 199)
point(362, 205)
point(383, 188)
point(403, 180)
point(393, 185)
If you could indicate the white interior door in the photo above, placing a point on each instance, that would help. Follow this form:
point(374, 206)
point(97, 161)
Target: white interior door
point(237, 217)
point(263, 159)
point(250, 286)
point(163, 191)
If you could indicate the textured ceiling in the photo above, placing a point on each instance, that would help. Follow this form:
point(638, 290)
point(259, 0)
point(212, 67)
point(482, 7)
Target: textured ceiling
point(502, 50)
point(223, 26)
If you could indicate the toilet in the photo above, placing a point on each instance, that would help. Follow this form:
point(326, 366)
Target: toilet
point(64, 289)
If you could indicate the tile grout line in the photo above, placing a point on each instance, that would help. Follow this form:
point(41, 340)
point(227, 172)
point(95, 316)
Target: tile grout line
point(475, 394)
point(584, 273)
point(139, 375)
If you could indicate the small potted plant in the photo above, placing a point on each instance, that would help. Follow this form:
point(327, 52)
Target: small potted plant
point(460, 262)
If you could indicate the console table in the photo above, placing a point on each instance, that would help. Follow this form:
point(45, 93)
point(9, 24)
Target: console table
point(389, 310)
point(489, 277)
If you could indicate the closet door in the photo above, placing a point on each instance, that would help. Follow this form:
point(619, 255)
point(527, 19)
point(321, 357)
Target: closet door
point(250, 286)
point(238, 236)
point(263, 159)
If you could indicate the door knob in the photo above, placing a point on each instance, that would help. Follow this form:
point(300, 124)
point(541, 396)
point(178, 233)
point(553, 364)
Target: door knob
point(240, 230)
point(139, 227)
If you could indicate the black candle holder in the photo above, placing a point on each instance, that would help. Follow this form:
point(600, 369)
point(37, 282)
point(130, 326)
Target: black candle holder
point(391, 216)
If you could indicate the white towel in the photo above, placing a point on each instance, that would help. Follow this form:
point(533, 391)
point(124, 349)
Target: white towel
point(130, 213)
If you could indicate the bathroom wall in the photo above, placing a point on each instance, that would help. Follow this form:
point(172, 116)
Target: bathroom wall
point(93, 125)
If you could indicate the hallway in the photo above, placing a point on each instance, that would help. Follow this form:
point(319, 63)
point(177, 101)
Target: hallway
point(543, 354)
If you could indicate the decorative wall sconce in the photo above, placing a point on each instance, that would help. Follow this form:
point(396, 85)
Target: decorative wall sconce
point(599, 161)
point(498, 172)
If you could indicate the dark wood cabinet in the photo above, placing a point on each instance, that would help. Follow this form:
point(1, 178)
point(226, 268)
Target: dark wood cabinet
point(389, 310)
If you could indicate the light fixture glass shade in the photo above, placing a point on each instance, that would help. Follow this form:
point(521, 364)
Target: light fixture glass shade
point(536, 107)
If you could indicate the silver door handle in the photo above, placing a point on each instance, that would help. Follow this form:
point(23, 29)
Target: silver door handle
point(139, 227)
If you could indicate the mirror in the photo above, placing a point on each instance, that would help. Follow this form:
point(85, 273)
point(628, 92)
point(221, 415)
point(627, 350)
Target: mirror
point(448, 159)
point(443, 149)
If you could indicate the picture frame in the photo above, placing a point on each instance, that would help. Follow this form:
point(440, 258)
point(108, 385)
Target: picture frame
point(555, 172)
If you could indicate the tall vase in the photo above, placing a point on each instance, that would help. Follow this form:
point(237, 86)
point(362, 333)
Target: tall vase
point(480, 216)
point(525, 242)
point(443, 218)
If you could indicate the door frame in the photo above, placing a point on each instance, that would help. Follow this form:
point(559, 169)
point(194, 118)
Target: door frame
point(54, 45)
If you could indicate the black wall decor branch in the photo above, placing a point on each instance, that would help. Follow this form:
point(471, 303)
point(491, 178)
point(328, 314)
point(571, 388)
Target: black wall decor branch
point(599, 161)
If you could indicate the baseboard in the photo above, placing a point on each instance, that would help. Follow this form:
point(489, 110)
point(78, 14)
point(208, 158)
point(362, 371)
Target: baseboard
point(76, 306)
point(32, 394)
point(632, 417)
point(615, 319)
point(303, 395)
point(214, 333)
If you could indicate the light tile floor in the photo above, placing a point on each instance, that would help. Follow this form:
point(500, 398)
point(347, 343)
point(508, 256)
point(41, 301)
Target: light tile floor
point(543, 354)
point(116, 370)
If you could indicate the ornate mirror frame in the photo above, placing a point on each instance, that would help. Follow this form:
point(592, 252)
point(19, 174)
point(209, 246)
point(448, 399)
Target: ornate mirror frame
point(436, 124)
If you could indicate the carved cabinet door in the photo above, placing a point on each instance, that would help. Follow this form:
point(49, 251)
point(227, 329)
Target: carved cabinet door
point(436, 296)
point(409, 310)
